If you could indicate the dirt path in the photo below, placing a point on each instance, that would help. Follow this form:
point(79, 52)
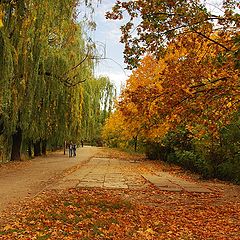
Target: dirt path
point(22, 180)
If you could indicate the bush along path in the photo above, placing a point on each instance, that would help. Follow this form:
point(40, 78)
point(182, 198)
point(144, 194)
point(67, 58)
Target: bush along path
point(140, 211)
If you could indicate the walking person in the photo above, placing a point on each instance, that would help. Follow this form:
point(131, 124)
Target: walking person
point(74, 149)
point(70, 149)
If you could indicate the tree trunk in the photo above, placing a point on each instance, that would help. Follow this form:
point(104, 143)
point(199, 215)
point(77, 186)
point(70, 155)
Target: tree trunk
point(65, 146)
point(16, 145)
point(1, 124)
point(135, 143)
point(37, 148)
point(44, 147)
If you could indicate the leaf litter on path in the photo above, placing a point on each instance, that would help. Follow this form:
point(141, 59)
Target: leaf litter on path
point(122, 214)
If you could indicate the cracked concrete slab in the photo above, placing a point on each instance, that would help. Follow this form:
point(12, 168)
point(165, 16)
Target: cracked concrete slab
point(167, 182)
point(116, 174)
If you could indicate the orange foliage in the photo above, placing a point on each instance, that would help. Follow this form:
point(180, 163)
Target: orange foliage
point(194, 83)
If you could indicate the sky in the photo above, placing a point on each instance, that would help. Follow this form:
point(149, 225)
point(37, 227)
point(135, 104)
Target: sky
point(107, 38)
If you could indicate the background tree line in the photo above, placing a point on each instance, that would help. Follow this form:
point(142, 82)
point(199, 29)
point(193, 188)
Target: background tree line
point(48, 91)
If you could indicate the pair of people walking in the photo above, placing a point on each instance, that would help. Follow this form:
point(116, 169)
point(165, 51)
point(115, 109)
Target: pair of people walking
point(72, 149)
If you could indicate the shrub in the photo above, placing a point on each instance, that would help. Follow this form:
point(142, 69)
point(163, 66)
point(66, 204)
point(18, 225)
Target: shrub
point(156, 151)
point(172, 158)
point(192, 161)
point(186, 159)
point(229, 171)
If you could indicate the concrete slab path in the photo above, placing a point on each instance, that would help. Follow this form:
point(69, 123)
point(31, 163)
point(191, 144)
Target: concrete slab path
point(107, 172)
point(92, 167)
point(167, 182)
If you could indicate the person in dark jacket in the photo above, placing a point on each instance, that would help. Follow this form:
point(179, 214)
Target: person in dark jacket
point(74, 149)
point(70, 149)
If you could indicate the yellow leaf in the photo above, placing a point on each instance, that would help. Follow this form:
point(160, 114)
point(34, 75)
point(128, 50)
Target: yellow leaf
point(7, 227)
point(150, 230)
point(229, 104)
point(1, 17)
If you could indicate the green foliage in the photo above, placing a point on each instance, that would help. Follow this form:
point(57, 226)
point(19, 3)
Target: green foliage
point(194, 162)
point(44, 59)
point(218, 158)
point(97, 105)
point(229, 171)
point(156, 151)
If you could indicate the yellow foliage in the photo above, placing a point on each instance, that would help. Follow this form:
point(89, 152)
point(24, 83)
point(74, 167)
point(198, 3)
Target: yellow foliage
point(189, 85)
point(1, 16)
point(158, 132)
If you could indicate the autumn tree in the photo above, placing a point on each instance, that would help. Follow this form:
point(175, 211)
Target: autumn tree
point(187, 69)
point(113, 131)
point(197, 53)
point(193, 88)
point(150, 25)
point(188, 85)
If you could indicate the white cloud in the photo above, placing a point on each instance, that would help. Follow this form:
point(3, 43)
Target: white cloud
point(114, 34)
point(107, 37)
point(214, 6)
point(101, 10)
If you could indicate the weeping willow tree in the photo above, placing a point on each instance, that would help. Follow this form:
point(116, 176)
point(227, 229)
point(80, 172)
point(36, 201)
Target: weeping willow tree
point(98, 103)
point(43, 61)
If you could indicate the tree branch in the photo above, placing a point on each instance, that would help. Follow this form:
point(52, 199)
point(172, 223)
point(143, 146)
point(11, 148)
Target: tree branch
point(80, 63)
point(211, 40)
point(211, 82)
